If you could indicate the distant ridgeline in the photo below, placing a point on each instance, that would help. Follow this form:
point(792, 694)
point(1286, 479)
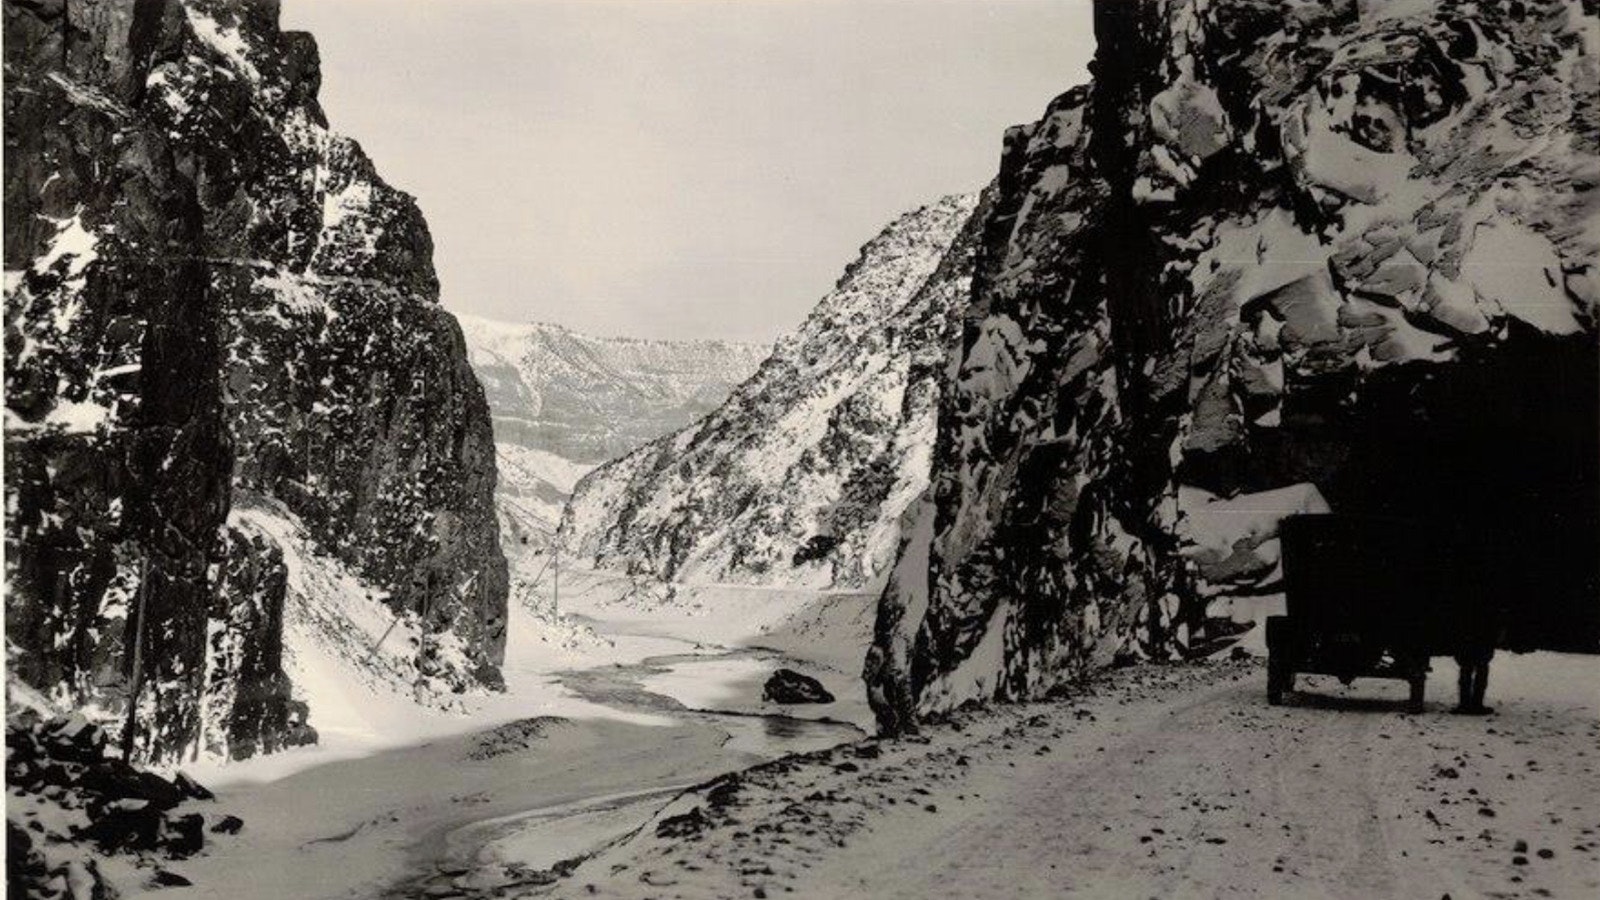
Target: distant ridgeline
point(1277, 257)
point(565, 402)
point(591, 399)
point(221, 327)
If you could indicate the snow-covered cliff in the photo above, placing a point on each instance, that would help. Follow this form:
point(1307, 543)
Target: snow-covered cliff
point(1278, 256)
point(215, 305)
point(800, 477)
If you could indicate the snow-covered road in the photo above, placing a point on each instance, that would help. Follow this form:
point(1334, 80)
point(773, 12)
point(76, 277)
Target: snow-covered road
point(1168, 782)
point(1151, 781)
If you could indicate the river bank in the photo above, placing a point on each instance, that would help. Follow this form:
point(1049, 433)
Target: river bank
point(585, 746)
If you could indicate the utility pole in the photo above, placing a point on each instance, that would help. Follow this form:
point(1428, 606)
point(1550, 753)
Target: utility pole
point(425, 637)
point(555, 586)
point(138, 658)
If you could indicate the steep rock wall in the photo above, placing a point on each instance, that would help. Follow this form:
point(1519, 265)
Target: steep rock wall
point(1279, 256)
point(207, 292)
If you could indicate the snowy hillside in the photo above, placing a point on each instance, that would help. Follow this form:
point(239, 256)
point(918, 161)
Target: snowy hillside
point(799, 479)
point(344, 649)
point(564, 402)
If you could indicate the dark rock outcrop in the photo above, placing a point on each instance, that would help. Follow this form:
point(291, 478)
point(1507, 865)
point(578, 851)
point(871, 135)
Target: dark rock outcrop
point(788, 686)
point(1277, 257)
point(208, 292)
point(66, 795)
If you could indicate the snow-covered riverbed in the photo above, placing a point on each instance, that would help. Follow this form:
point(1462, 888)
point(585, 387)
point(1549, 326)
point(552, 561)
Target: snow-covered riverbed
point(593, 735)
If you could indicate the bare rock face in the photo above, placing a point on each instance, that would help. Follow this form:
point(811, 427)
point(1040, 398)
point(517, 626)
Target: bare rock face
point(208, 292)
point(789, 687)
point(800, 477)
point(1279, 257)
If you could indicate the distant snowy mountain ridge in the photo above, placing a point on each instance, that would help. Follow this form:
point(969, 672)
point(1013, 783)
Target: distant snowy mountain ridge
point(590, 399)
point(564, 402)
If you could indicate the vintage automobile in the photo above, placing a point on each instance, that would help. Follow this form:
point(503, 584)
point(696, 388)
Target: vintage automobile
point(1365, 599)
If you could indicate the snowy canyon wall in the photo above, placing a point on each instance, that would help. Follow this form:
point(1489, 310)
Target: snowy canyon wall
point(799, 479)
point(565, 402)
point(218, 315)
point(1277, 257)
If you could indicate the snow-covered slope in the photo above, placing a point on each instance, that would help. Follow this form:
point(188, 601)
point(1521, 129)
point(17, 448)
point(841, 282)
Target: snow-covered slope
point(799, 479)
point(345, 651)
point(564, 402)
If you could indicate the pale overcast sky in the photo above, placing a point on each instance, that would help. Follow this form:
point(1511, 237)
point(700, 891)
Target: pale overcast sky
point(679, 168)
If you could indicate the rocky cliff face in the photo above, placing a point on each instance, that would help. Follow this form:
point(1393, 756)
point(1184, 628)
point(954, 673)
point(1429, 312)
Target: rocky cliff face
point(210, 296)
point(1278, 256)
point(800, 477)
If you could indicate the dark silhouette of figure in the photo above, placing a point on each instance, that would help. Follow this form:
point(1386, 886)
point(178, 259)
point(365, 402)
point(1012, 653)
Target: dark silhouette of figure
point(1473, 680)
point(1469, 609)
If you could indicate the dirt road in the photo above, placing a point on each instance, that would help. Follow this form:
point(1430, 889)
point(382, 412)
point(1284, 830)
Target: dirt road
point(1166, 782)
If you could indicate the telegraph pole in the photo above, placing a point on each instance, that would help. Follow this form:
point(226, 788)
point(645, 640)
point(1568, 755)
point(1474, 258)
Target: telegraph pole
point(138, 658)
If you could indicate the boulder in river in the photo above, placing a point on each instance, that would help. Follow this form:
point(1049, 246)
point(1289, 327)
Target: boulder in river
point(789, 686)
